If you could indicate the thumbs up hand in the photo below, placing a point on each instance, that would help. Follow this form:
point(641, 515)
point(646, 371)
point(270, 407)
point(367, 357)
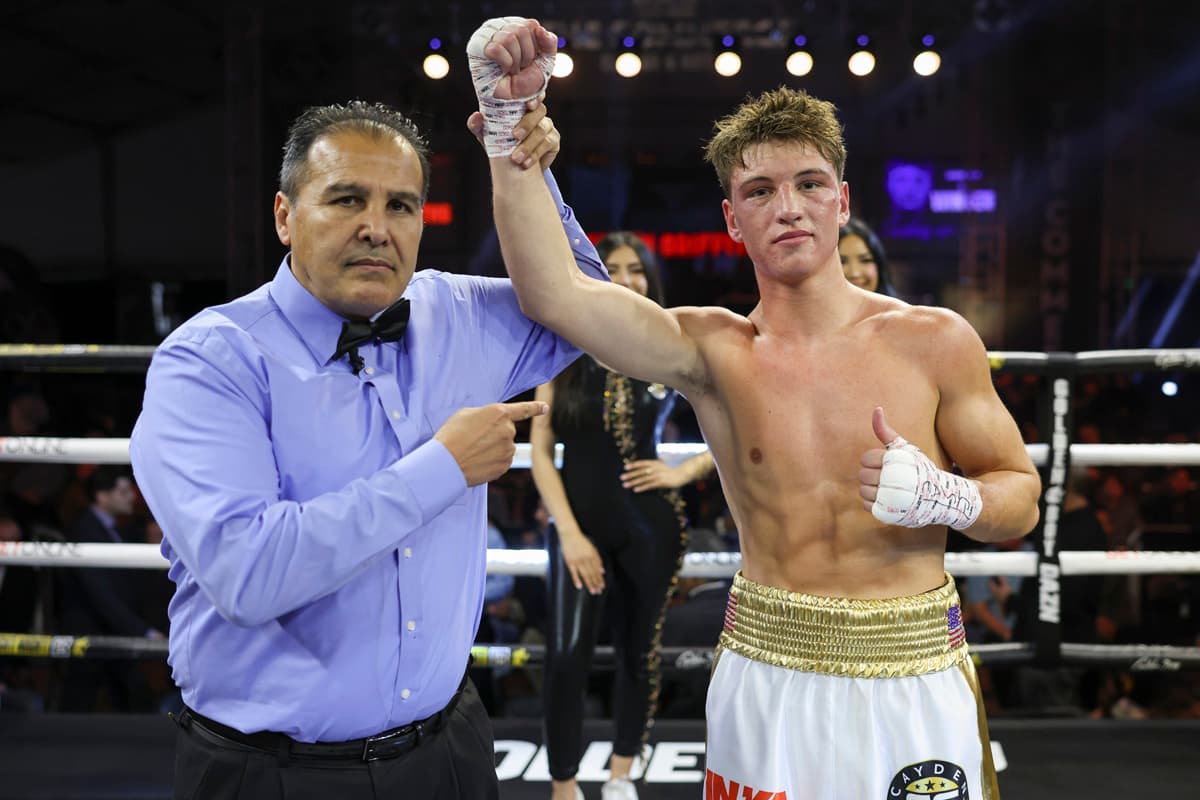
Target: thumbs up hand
point(899, 485)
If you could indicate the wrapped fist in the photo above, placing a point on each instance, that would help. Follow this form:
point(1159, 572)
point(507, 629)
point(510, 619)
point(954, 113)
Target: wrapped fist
point(511, 59)
point(905, 488)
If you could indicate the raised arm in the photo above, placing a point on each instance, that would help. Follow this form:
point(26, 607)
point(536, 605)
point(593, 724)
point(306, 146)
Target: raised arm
point(629, 333)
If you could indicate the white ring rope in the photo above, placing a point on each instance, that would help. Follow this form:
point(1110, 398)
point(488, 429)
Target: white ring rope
point(51, 449)
point(55, 450)
point(695, 565)
point(1170, 358)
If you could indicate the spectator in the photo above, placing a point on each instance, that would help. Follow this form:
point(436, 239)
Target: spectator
point(100, 601)
point(31, 489)
point(864, 262)
point(18, 608)
point(619, 522)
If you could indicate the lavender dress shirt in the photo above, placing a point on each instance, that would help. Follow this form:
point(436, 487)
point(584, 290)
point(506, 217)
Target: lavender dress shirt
point(328, 557)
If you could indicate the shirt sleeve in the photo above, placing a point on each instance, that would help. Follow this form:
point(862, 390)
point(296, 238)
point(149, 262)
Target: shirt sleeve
point(581, 246)
point(204, 460)
point(536, 353)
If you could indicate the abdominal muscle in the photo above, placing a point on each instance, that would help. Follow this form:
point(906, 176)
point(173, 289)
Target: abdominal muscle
point(840, 554)
point(789, 462)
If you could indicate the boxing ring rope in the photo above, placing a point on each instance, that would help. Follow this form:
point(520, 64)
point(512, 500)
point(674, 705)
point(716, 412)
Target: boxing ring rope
point(55, 450)
point(695, 565)
point(75, 357)
point(1047, 564)
point(1062, 369)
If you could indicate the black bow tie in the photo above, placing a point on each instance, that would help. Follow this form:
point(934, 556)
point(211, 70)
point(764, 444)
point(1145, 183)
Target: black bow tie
point(388, 327)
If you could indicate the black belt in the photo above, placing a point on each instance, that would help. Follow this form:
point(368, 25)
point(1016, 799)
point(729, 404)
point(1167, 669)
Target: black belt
point(389, 744)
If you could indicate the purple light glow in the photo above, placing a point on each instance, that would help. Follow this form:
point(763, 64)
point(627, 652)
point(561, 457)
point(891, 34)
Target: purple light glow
point(962, 201)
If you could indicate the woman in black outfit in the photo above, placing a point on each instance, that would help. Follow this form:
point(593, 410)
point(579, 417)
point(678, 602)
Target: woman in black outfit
point(618, 524)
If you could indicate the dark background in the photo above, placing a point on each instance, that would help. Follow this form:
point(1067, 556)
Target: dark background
point(139, 142)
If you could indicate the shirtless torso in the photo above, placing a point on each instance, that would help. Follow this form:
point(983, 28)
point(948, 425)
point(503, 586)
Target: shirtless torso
point(787, 422)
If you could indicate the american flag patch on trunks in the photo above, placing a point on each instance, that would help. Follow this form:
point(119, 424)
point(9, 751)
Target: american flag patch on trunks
point(954, 625)
point(730, 612)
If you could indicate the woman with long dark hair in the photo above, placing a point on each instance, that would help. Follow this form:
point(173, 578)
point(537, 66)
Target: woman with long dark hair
point(863, 259)
point(619, 537)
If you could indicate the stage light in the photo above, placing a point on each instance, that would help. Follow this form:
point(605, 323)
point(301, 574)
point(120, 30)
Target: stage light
point(564, 65)
point(727, 62)
point(435, 64)
point(862, 62)
point(1170, 388)
point(799, 61)
point(927, 61)
point(628, 63)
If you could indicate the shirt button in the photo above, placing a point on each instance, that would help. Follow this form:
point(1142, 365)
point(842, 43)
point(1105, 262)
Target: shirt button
point(412, 625)
point(395, 414)
point(370, 370)
point(408, 552)
point(575, 242)
point(405, 694)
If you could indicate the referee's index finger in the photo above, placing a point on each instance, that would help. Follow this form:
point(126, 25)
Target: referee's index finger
point(524, 410)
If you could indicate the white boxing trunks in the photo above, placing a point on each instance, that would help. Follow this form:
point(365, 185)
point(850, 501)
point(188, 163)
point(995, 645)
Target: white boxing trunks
point(818, 698)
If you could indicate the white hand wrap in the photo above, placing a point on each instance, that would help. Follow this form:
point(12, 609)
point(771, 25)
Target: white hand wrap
point(499, 116)
point(914, 493)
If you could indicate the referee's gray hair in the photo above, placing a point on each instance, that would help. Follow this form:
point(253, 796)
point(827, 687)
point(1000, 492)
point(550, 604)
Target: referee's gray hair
point(372, 119)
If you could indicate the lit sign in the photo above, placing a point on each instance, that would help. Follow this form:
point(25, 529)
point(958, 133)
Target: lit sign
point(924, 198)
point(438, 213)
point(687, 245)
point(962, 201)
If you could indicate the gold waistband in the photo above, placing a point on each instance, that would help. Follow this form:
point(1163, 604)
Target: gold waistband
point(840, 636)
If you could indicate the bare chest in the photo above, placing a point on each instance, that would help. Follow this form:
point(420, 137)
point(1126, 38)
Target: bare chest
point(801, 417)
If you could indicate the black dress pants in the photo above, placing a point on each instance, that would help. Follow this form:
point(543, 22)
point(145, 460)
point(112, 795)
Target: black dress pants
point(456, 763)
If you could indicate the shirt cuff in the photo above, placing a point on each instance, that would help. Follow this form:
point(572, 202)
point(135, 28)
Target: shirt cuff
point(581, 246)
point(433, 477)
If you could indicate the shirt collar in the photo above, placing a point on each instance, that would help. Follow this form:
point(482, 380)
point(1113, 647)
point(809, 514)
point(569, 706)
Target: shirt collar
point(316, 324)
